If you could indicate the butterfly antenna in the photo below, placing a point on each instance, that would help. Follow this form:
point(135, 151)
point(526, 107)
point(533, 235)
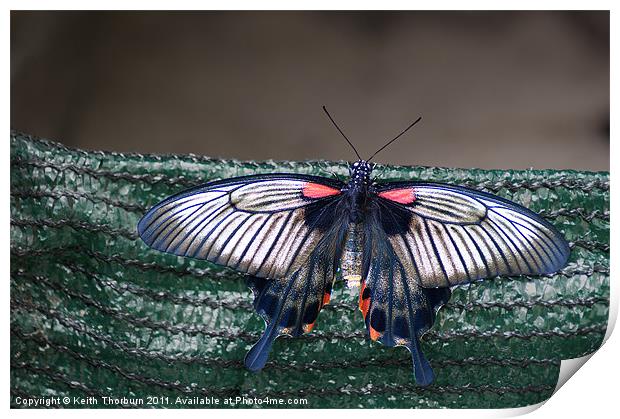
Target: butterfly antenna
point(395, 138)
point(339, 130)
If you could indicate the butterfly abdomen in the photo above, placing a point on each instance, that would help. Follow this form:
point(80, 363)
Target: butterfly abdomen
point(351, 261)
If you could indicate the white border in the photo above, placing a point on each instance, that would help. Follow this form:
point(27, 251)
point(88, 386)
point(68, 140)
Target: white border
point(591, 394)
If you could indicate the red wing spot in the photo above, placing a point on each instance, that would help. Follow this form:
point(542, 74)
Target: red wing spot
point(364, 306)
point(316, 190)
point(364, 302)
point(374, 335)
point(402, 196)
point(326, 298)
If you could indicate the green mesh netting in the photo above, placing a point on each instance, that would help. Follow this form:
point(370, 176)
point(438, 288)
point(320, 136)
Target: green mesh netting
point(94, 312)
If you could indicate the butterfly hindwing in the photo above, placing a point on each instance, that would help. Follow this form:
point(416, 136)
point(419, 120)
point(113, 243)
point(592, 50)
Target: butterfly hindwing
point(397, 310)
point(290, 305)
point(451, 235)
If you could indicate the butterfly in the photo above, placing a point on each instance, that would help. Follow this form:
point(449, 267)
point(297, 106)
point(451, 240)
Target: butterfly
point(404, 244)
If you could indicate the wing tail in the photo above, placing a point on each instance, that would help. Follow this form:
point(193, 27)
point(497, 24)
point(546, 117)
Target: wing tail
point(422, 370)
point(257, 357)
point(397, 310)
point(433, 299)
point(402, 319)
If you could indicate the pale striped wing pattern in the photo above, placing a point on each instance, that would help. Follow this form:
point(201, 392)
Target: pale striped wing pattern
point(447, 235)
point(264, 225)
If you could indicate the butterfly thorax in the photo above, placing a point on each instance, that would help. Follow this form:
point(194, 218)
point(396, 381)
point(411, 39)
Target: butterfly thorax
point(357, 189)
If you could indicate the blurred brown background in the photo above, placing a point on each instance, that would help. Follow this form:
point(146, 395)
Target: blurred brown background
point(495, 89)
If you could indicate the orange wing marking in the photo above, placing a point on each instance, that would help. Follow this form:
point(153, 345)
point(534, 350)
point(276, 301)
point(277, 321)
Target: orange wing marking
point(374, 335)
point(402, 196)
point(316, 190)
point(364, 301)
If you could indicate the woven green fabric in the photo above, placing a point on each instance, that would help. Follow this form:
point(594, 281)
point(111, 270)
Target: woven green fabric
point(95, 312)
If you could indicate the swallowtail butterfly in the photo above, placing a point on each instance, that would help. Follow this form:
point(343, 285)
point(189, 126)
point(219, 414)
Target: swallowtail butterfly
point(404, 244)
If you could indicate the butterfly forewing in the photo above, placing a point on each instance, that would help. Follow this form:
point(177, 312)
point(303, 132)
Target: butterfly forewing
point(264, 225)
point(447, 235)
